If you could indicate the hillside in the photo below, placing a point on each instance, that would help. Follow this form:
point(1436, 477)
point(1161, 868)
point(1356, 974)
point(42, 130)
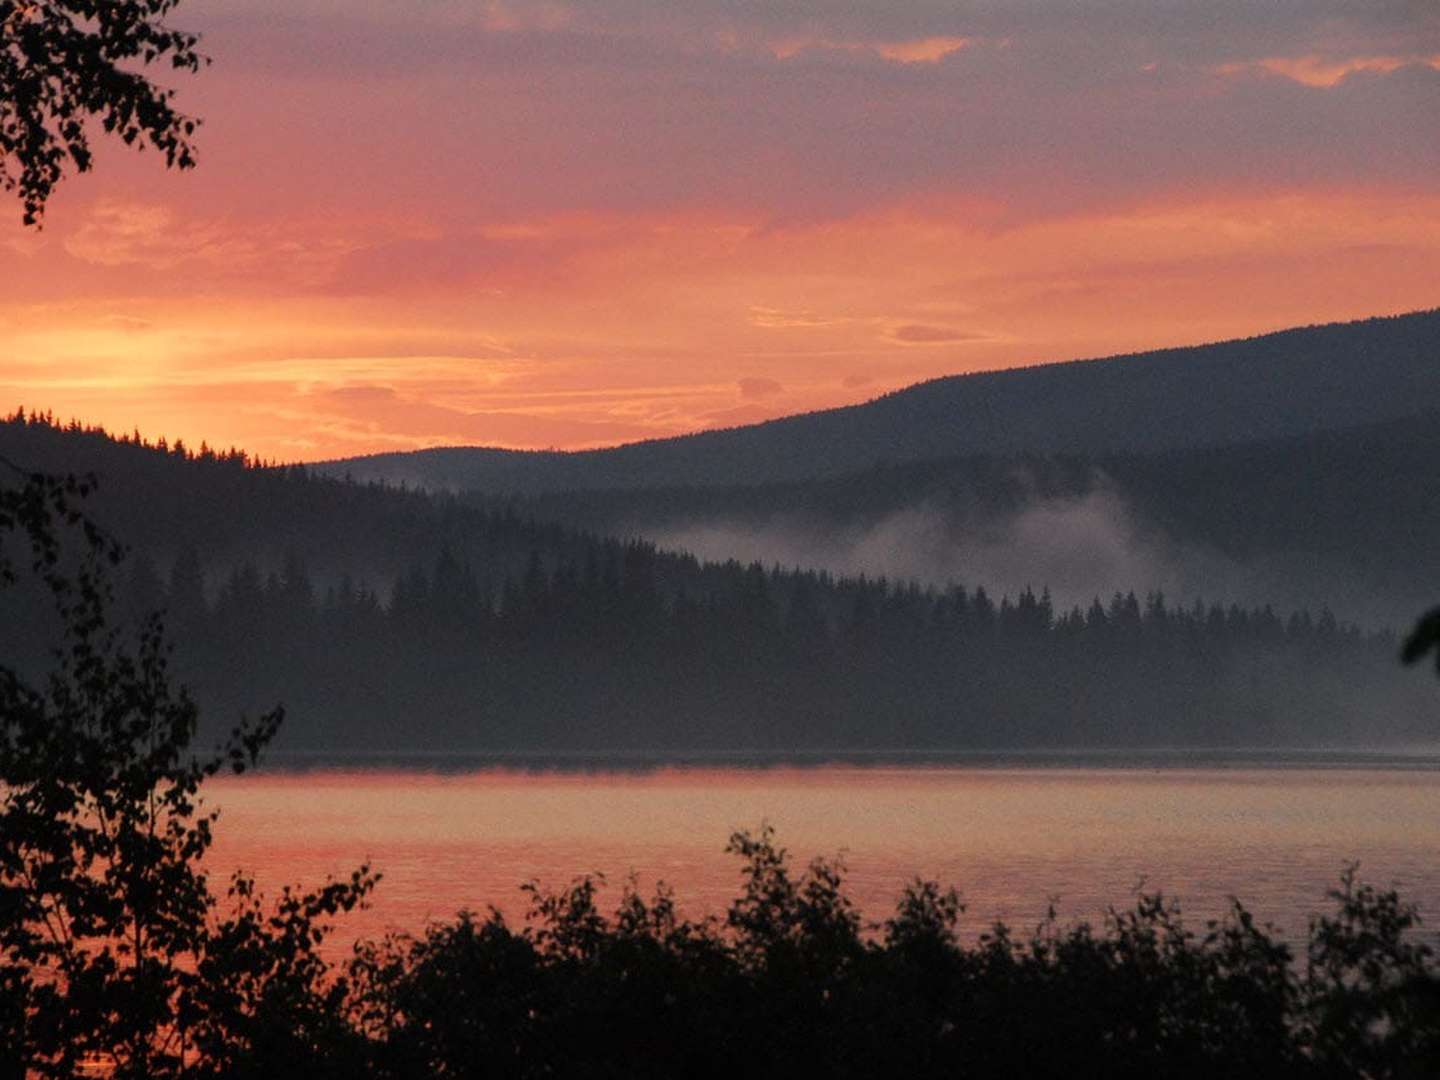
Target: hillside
point(395, 621)
point(1268, 387)
point(1345, 517)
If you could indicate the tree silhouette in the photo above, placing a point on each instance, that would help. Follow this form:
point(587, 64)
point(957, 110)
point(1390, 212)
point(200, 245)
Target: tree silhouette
point(112, 948)
point(64, 62)
point(1424, 638)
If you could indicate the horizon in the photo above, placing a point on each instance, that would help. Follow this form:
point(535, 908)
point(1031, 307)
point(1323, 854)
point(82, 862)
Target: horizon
point(168, 439)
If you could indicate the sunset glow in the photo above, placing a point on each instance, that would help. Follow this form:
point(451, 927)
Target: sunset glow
point(542, 224)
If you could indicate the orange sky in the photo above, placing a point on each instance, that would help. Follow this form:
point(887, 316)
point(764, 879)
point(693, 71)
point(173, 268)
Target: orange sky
point(538, 225)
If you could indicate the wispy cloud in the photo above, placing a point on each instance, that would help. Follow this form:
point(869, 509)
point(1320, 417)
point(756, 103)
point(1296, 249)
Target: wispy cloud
point(544, 222)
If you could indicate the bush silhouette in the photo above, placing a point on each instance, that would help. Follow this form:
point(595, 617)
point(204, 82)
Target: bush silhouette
point(114, 950)
point(790, 981)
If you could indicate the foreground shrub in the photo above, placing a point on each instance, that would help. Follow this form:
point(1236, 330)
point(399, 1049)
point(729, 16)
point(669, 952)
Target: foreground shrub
point(791, 982)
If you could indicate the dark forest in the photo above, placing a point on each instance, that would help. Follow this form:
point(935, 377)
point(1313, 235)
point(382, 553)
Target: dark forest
point(392, 620)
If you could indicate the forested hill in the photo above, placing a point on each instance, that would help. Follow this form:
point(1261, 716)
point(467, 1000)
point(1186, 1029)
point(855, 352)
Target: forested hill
point(1345, 517)
point(398, 621)
point(226, 510)
point(1280, 384)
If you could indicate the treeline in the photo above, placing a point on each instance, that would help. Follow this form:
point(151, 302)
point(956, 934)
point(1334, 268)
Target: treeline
point(73, 430)
point(635, 649)
point(482, 629)
point(1312, 516)
point(166, 499)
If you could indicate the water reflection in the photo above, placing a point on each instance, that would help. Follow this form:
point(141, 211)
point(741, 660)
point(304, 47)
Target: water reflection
point(1010, 838)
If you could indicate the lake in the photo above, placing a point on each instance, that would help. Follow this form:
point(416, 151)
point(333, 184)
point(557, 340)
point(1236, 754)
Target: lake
point(1012, 834)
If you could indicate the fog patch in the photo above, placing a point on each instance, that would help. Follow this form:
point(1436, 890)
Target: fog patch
point(1079, 547)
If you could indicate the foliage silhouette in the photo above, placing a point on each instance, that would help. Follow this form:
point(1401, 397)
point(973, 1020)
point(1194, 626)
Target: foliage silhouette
point(790, 981)
point(63, 62)
point(113, 948)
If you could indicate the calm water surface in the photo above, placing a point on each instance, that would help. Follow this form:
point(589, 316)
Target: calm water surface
point(1010, 839)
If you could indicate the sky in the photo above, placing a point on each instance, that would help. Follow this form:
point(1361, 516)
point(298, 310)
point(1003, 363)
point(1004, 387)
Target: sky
point(549, 224)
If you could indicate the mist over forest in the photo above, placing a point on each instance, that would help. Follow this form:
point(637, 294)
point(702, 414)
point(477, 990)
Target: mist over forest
point(1306, 521)
point(1293, 469)
point(995, 601)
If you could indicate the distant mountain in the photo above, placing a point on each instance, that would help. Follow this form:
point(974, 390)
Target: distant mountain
point(1347, 517)
point(1261, 388)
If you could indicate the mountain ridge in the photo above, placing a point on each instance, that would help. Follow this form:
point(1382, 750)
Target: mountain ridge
point(1286, 382)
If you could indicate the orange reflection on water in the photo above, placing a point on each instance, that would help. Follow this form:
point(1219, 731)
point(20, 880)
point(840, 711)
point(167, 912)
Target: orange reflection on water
point(1010, 839)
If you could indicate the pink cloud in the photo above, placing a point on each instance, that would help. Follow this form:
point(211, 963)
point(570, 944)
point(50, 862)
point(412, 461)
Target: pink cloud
point(429, 110)
point(921, 334)
point(380, 409)
point(757, 388)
